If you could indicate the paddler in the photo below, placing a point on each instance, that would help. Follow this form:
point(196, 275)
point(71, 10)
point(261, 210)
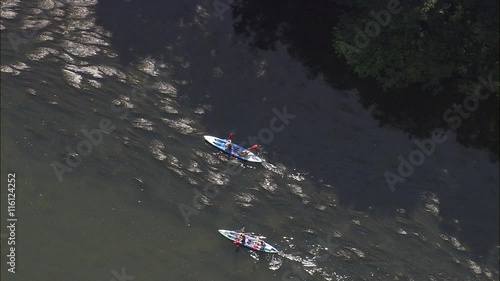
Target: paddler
point(241, 237)
point(259, 243)
point(229, 144)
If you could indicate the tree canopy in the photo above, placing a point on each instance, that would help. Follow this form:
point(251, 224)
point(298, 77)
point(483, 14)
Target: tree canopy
point(429, 43)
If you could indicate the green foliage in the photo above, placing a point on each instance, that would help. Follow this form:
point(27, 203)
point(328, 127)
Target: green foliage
point(429, 43)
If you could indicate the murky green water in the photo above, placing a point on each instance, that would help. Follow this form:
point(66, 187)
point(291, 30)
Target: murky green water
point(320, 196)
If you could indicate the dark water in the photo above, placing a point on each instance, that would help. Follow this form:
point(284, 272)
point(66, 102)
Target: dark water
point(164, 75)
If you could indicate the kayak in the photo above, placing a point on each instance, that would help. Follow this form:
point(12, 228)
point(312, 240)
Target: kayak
point(235, 149)
point(250, 241)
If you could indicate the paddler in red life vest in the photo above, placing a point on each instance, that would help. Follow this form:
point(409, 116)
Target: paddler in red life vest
point(241, 237)
point(259, 243)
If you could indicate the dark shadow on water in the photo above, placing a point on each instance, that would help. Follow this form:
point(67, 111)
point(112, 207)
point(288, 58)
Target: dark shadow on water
point(144, 28)
point(306, 28)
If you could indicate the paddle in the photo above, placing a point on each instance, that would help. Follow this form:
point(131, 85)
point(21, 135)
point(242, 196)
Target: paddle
point(253, 146)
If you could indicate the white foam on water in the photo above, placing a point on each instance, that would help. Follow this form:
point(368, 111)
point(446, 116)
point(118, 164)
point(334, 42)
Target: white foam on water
point(173, 161)
point(81, 2)
point(278, 169)
point(268, 184)
point(74, 79)
point(143, 123)
point(48, 4)
point(78, 12)
point(474, 266)
point(166, 88)
point(297, 190)
point(181, 125)
point(149, 67)
point(90, 70)
point(167, 107)
point(80, 50)
point(245, 199)
point(7, 8)
point(297, 176)
point(123, 101)
point(199, 110)
point(179, 172)
point(8, 14)
point(194, 167)
point(401, 231)
point(111, 71)
point(35, 24)
point(41, 53)
point(8, 69)
point(217, 178)
point(20, 66)
point(156, 149)
point(358, 252)
point(92, 37)
point(94, 83)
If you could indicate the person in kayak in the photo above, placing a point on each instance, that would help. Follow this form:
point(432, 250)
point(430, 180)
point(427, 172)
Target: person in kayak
point(244, 152)
point(241, 237)
point(258, 244)
point(229, 144)
point(261, 243)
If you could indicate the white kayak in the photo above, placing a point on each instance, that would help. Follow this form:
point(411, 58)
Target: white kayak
point(235, 149)
point(250, 241)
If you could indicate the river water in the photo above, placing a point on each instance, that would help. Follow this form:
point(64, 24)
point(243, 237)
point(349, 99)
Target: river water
point(320, 196)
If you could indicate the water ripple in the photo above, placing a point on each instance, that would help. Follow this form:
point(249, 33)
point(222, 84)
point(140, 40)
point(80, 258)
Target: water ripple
point(194, 167)
point(143, 123)
point(244, 199)
point(91, 70)
point(111, 71)
point(268, 184)
point(148, 66)
point(74, 79)
point(166, 88)
point(181, 125)
point(124, 101)
point(41, 53)
point(156, 149)
point(297, 190)
point(7, 12)
point(80, 50)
